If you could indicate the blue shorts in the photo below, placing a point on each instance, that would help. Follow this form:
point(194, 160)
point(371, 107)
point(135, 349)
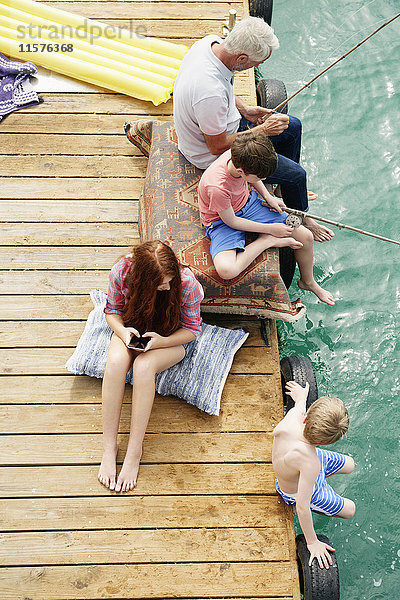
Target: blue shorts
point(224, 237)
point(324, 499)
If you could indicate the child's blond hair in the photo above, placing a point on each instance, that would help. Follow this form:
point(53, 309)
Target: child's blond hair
point(327, 420)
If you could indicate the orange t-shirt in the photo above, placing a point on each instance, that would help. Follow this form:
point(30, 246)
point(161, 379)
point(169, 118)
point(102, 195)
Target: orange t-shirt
point(218, 190)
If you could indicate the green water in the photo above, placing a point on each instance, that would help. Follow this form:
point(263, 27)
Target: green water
point(351, 122)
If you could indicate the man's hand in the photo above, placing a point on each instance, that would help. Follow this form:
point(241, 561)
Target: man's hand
point(296, 392)
point(278, 230)
point(255, 114)
point(275, 124)
point(320, 551)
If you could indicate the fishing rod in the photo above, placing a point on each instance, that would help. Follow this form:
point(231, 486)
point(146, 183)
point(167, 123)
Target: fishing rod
point(296, 218)
point(282, 104)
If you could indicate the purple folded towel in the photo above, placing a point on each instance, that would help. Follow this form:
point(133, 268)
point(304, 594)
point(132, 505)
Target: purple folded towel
point(16, 90)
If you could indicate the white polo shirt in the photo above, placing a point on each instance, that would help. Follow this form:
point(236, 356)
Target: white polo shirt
point(204, 101)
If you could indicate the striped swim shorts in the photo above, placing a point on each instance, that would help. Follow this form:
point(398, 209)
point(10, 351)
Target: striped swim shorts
point(324, 499)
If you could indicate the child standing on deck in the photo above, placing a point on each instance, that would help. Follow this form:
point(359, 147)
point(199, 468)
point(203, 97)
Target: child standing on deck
point(228, 210)
point(301, 468)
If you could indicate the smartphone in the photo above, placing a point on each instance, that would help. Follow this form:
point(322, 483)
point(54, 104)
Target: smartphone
point(138, 343)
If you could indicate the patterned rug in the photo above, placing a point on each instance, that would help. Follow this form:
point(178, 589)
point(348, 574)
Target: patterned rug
point(168, 211)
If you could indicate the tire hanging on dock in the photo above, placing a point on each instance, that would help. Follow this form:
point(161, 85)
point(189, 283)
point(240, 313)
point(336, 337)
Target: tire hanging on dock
point(261, 8)
point(270, 93)
point(300, 370)
point(316, 583)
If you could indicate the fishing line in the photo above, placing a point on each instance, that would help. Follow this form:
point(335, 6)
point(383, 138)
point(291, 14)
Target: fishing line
point(329, 67)
point(342, 43)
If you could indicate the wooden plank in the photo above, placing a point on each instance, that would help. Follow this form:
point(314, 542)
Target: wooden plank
point(36, 333)
point(51, 361)
point(168, 415)
point(71, 123)
point(100, 103)
point(150, 10)
point(87, 258)
point(70, 234)
point(149, 546)
point(158, 448)
point(143, 512)
point(155, 480)
point(68, 166)
point(116, 188)
point(201, 580)
point(60, 308)
point(77, 307)
point(288, 512)
point(61, 2)
point(258, 393)
point(169, 29)
point(68, 211)
point(49, 143)
point(54, 281)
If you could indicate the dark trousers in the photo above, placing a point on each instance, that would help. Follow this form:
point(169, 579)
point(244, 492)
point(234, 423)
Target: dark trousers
point(289, 174)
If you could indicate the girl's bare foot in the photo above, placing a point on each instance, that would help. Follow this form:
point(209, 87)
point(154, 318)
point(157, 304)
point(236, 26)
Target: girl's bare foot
point(127, 478)
point(322, 294)
point(108, 468)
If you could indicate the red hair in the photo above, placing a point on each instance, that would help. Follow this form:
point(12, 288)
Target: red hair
point(146, 308)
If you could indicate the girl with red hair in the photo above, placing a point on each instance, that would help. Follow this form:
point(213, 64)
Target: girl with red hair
point(151, 295)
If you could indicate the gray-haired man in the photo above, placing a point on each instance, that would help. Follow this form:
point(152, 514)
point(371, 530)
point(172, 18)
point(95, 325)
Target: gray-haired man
point(208, 116)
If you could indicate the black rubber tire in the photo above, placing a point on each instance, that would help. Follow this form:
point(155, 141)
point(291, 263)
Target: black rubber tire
point(261, 8)
point(300, 370)
point(270, 93)
point(287, 265)
point(316, 583)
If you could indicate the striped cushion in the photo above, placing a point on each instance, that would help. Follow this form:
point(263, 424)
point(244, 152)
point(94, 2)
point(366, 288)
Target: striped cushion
point(199, 378)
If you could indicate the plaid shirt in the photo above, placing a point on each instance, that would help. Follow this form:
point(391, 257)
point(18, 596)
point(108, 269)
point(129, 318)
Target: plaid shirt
point(192, 295)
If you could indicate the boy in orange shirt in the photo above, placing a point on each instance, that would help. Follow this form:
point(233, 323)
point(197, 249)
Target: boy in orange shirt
point(228, 210)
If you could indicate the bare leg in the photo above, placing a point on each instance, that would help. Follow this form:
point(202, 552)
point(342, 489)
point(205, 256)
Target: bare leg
point(304, 258)
point(118, 363)
point(230, 263)
point(348, 466)
point(278, 193)
point(145, 367)
point(348, 509)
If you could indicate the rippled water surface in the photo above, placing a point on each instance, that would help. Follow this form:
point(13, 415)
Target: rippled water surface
point(351, 151)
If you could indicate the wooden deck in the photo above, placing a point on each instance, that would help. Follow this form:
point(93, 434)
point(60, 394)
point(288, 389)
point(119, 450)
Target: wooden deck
point(204, 520)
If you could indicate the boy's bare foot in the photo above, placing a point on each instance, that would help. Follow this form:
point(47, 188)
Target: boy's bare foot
point(127, 478)
point(108, 468)
point(320, 232)
point(279, 242)
point(287, 241)
point(322, 294)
